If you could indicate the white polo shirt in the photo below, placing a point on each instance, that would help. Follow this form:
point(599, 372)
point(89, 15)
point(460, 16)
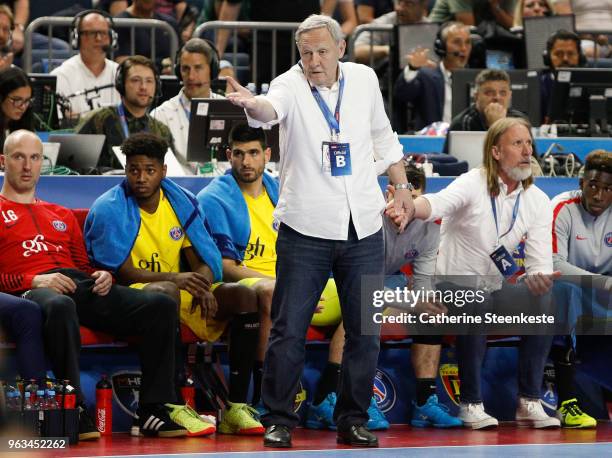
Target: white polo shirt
point(468, 232)
point(74, 76)
point(312, 201)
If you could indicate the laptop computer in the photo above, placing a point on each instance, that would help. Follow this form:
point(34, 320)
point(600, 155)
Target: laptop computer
point(467, 146)
point(78, 151)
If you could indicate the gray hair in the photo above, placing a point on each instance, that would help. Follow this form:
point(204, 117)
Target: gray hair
point(317, 21)
point(491, 74)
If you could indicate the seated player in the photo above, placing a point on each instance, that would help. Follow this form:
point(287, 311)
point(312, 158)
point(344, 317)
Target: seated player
point(44, 259)
point(581, 251)
point(240, 207)
point(417, 247)
point(161, 225)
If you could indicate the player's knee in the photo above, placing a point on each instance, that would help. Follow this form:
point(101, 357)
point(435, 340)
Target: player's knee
point(165, 287)
point(246, 299)
point(164, 305)
point(61, 308)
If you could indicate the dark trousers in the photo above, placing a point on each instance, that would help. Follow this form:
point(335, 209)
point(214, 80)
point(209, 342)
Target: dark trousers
point(22, 321)
point(303, 266)
point(533, 349)
point(152, 317)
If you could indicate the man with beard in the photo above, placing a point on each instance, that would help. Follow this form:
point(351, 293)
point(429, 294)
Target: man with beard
point(138, 83)
point(485, 213)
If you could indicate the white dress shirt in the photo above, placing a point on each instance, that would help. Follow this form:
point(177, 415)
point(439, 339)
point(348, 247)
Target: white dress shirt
point(74, 76)
point(312, 201)
point(175, 113)
point(469, 235)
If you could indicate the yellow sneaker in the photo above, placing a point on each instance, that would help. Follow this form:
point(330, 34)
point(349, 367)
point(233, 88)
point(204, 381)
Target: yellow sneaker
point(240, 419)
point(189, 419)
point(572, 416)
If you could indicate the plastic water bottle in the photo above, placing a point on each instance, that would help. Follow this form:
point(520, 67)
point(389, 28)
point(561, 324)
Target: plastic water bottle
point(251, 87)
point(32, 388)
point(51, 403)
point(104, 406)
point(187, 390)
point(27, 401)
point(13, 398)
point(40, 401)
point(265, 87)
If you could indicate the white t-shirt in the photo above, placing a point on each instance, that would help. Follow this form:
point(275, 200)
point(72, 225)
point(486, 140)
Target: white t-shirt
point(73, 76)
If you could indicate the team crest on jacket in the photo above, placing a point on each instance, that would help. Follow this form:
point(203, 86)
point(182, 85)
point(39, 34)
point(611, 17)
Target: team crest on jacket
point(59, 225)
point(275, 225)
point(449, 373)
point(608, 239)
point(176, 233)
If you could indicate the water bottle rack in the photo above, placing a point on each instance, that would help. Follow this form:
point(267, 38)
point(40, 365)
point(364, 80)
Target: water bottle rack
point(46, 423)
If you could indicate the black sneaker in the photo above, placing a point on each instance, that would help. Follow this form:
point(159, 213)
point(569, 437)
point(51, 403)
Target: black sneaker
point(154, 420)
point(87, 427)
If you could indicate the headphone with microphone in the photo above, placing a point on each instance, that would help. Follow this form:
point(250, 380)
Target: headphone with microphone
point(563, 35)
point(75, 33)
point(200, 46)
point(131, 62)
point(439, 43)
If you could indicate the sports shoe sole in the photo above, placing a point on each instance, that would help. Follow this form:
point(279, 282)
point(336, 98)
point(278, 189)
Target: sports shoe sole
point(205, 432)
point(487, 423)
point(174, 433)
point(89, 436)
point(256, 431)
point(539, 424)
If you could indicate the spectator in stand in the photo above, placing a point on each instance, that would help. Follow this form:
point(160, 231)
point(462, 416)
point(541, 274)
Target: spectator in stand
point(174, 8)
point(144, 9)
point(405, 12)
point(530, 8)
point(473, 12)
point(491, 102)
point(6, 33)
point(368, 10)
point(93, 36)
point(346, 11)
point(15, 102)
point(427, 86)
point(563, 49)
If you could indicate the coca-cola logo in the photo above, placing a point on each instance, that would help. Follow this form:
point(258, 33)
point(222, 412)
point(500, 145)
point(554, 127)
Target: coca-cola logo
point(101, 420)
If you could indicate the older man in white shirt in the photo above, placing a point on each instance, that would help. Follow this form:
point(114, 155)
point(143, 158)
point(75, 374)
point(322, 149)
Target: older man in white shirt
point(332, 128)
point(93, 35)
point(485, 214)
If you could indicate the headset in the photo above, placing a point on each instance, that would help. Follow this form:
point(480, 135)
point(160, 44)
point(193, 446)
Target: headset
point(197, 45)
point(126, 65)
point(76, 23)
point(563, 35)
point(439, 42)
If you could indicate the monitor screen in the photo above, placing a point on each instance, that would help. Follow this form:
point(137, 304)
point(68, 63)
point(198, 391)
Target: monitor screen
point(209, 126)
point(170, 86)
point(525, 85)
point(580, 95)
point(408, 37)
point(44, 107)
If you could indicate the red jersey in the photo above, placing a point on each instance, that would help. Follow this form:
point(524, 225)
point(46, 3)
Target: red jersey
point(35, 238)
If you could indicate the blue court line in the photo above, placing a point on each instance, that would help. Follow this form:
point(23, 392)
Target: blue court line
point(578, 450)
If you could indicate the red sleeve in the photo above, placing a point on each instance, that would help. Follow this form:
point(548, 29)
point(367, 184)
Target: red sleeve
point(10, 283)
point(77, 247)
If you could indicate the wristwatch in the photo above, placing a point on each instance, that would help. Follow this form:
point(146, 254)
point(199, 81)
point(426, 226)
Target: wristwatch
point(407, 186)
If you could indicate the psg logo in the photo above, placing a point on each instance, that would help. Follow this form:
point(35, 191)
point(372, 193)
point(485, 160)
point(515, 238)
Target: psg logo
point(59, 225)
point(176, 233)
point(384, 391)
point(275, 225)
point(608, 239)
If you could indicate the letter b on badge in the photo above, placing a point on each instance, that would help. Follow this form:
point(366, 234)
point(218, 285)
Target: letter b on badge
point(340, 159)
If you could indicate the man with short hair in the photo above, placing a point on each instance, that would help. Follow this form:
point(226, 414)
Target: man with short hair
point(563, 50)
point(93, 37)
point(330, 209)
point(161, 225)
point(491, 102)
point(44, 259)
point(137, 81)
point(194, 65)
point(240, 206)
point(378, 43)
point(427, 86)
point(583, 254)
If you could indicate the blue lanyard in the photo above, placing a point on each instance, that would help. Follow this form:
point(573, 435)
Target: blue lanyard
point(514, 215)
point(123, 120)
point(333, 120)
point(187, 112)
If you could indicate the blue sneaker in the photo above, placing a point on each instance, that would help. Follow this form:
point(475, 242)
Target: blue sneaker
point(377, 421)
point(433, 414)
point(322, 416)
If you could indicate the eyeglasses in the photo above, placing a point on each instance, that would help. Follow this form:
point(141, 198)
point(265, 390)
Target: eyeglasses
point(19, 102)
point(94, 33)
